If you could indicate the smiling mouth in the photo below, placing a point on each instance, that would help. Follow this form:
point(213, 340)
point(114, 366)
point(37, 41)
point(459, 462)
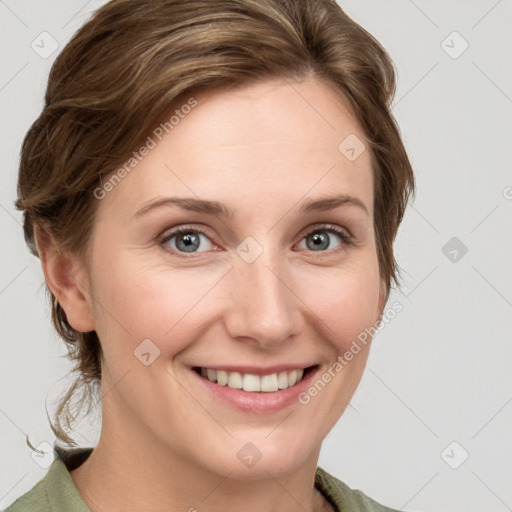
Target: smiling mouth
point(254, 383)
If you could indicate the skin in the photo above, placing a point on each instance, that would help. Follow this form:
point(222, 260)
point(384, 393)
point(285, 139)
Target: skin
point(165, 444)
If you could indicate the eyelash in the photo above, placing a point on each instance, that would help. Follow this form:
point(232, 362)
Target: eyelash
point(345, 237)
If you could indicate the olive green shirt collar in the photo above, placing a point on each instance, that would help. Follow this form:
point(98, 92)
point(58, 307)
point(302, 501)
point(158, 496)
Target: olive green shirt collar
point(56, 492)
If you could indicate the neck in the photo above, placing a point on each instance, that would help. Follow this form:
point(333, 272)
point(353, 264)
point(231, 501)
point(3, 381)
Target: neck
point(128, 459)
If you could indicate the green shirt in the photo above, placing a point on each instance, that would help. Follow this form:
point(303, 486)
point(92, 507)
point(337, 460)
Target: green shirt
point(56, 492)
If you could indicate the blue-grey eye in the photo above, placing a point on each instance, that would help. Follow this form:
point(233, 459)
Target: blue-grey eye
point(320, 239)
point(186, 240)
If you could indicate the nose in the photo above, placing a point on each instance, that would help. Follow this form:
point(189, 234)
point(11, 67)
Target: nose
point(263, 308)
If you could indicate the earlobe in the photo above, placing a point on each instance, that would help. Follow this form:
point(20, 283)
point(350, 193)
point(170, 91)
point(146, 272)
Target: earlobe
point(382, 298)
point(67, 280)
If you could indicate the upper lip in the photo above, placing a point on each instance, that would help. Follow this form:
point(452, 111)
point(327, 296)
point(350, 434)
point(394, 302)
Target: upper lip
point(257, 370)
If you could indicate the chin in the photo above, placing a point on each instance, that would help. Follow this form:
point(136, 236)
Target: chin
point(247, 460)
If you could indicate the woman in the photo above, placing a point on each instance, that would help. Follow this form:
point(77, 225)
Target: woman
point(213, 188)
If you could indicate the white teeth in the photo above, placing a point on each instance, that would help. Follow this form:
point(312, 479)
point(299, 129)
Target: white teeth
point(269, 382)
point(235, 380)
point(251, 383)
point(282, 380)
point(222, 377)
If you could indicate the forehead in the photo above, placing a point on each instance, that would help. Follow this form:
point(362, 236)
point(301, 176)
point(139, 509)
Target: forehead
point(252, 145)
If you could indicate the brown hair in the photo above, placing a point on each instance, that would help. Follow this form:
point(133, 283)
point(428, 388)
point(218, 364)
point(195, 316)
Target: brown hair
point(134, 60)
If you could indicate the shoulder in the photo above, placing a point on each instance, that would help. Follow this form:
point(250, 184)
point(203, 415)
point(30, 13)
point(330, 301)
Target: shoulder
point(35, 499)
point(56, 491)
point(345, 498)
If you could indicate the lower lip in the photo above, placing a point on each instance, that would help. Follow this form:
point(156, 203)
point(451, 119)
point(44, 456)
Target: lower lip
point(258, 401)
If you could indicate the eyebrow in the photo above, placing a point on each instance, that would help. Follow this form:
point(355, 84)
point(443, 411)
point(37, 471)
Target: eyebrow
point(217, 209)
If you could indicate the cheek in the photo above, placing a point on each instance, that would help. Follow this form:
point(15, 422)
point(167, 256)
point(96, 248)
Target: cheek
point(140, 300)
point(346, 301)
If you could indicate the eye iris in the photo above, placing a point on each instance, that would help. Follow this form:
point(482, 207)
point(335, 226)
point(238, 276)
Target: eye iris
point(191, 241)
point(320, 240)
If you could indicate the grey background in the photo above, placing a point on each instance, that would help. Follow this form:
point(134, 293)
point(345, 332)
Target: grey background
point(440, 370)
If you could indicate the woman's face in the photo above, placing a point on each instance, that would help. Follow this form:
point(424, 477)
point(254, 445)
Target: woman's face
point(268, 289)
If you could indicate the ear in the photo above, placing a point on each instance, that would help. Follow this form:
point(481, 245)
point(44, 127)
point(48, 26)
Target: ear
point(67, 279)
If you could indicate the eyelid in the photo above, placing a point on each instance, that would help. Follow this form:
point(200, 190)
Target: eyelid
point(172, 232)
point(347, 239)
point(325, 227)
